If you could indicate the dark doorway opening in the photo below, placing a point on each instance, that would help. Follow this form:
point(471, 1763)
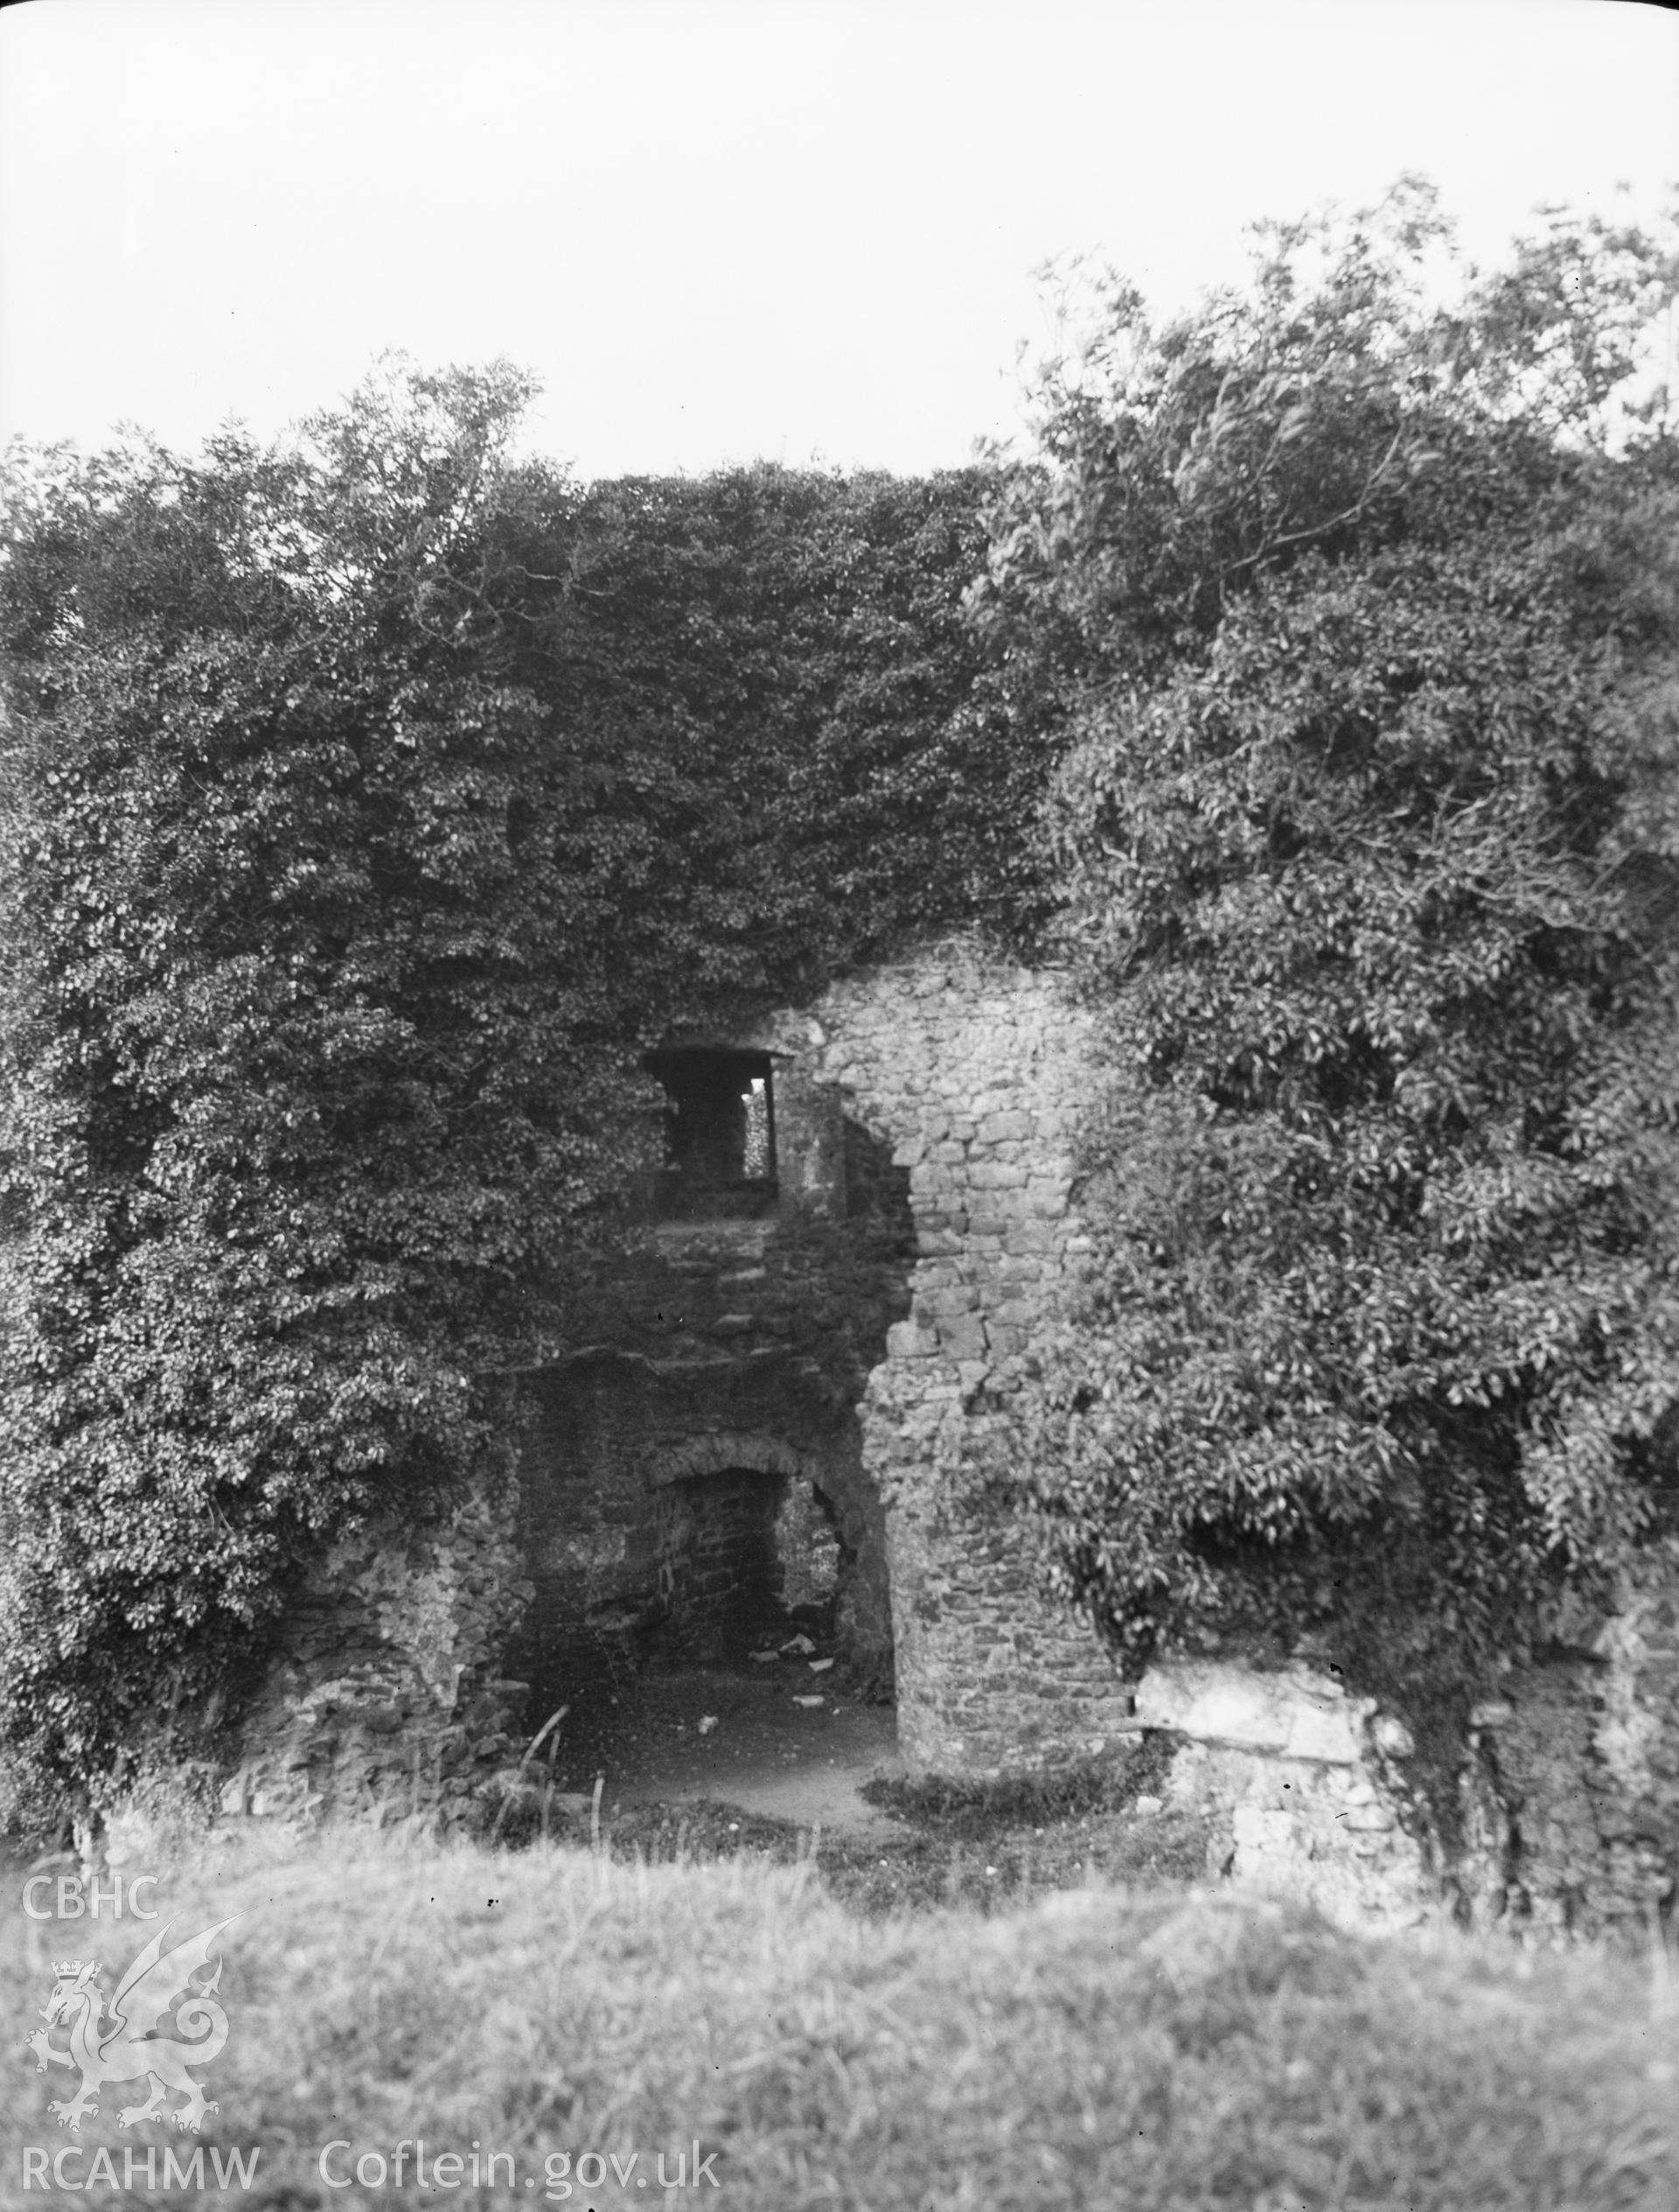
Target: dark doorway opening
point(719, 1128)
point(746, 1561)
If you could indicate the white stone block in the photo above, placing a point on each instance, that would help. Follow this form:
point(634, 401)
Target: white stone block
point(905, 1341)
point(1216, 1701)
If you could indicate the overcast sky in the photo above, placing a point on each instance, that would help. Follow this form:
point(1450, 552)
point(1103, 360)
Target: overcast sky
point(793, 228)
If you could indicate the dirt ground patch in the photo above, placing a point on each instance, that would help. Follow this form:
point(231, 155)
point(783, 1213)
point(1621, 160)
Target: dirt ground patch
point(726, 1762)
point(739, 1735)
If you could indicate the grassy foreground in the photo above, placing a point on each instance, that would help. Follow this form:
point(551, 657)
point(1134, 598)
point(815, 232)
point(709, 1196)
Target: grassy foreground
point(1149, 2052)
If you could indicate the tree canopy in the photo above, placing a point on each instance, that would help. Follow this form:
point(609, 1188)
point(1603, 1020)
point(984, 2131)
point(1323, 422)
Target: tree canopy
point(373, 805)
point(1359, 610)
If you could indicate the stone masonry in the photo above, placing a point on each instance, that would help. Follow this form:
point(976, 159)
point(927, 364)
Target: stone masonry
point(385, 1696)
point(1299, 1783)
point(1572, 1793)
point(842, 1346)
point(973, 1071)
point(770, 1412)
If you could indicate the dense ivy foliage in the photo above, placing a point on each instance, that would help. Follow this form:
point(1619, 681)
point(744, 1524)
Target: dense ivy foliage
point(783, 660)
point(373, 805)
point(370, 808)
point(1363, 614)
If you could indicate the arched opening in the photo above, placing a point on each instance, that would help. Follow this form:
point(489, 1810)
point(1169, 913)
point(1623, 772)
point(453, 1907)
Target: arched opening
point(746, 1560)
point(694, 1489)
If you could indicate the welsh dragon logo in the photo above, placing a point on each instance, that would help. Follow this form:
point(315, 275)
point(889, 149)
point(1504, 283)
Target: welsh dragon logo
point(121, 2042)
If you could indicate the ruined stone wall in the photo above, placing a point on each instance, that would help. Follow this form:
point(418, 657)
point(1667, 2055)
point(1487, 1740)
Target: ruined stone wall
point(1571, 1796)
point(724, 1349)
point(852, 1342)
point(642, 1478)
point(1302, 1784)
point(846, 1352)
point(974, 1072)
point(386, 1697)
point(1570, 1793)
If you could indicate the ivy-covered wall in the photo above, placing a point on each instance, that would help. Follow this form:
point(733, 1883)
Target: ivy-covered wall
point(842, 1362)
